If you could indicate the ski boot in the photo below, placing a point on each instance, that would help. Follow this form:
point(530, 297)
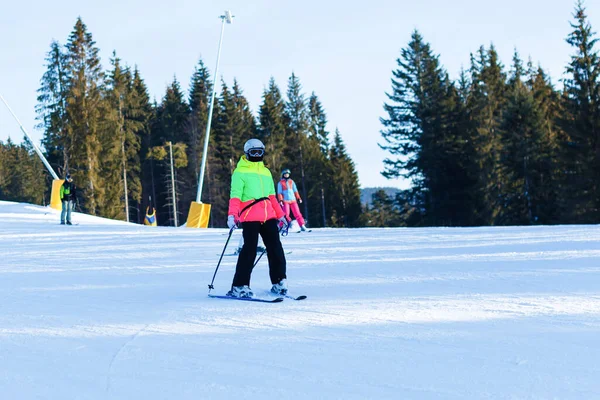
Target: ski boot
point(240, 291)
point(280, 288)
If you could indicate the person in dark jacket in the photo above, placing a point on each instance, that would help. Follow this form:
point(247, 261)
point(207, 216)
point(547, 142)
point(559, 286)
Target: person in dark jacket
point(67, 197)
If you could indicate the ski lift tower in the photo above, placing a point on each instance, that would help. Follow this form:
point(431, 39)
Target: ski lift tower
point(199, 213)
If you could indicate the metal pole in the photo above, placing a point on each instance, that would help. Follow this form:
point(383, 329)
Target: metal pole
point(37, 150)
point(225, 18)
point(323, 206)
point(173, 185)
point(125, 181)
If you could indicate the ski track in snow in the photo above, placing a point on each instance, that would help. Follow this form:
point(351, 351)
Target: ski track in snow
point(113, 310)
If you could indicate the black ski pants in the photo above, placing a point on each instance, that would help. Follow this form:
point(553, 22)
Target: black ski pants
point(270, 235)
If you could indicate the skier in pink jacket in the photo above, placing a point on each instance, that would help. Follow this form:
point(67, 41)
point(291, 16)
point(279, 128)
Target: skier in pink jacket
point(288, 196)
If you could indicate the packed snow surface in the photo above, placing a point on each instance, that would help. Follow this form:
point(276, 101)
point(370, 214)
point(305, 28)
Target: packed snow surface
point(109, 310)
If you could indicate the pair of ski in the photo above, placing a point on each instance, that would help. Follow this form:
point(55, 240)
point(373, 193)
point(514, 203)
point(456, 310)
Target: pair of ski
point(278, 299)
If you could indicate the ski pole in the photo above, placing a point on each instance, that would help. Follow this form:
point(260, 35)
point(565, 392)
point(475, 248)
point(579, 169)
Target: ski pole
point(259, 257)
point(283, 230)
point(210, 286)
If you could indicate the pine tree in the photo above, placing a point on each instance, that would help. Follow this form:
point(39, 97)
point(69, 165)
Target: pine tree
point(582, 105)
point(173, 157)
point(3, 169)
point(522, 142)
point(425, 133)
point(464, 201)
point(317, 125)
point(297, 117)
point(458, 177)
point(172, 115)
point(121, 142)
point(272, 128)
point(550, 180)
point(345, 199)
point(234, 124)
point(51, 108)
point(34, 176)
point(169, 126)
point(22, 174)
point(318, 176)
point(112, 140)
point(319, 173)
point(403, 125)
point(199, 100)
point(83, 114)
point(138, 113)
point(484, 107)
point(243, 124)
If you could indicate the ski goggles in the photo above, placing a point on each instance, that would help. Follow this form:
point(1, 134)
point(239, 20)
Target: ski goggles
point(256, 152)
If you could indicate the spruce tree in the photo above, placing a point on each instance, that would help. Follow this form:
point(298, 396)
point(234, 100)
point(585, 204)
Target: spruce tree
point(458, 178)
point(233, 125)
point(172, 115)
point(297, 117)
point(551, 182)
point(121, 143)
point(51, 108)
point(318, 176)
point(403, 125)
point(112, 138)
point(319, 173)
point(137, 125)
point(35, 180)
point(582, 105)
point(172, 157)
point(3, 169)
point(346, 206)
point(199, 100)
point(243, 123)
point(272, 126)
point(485, 106)
point(22, 174)
point(169, 126)
point(83, 115)
point(425, 133)
point(522, 142)
point(317, 122)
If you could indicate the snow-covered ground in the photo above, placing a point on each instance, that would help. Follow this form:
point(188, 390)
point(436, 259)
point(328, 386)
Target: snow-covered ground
point(109, 310)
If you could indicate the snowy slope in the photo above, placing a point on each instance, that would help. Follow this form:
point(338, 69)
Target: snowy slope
point(109, 310)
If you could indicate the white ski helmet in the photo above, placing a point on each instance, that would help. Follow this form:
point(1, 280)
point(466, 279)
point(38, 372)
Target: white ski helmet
point(254, 144)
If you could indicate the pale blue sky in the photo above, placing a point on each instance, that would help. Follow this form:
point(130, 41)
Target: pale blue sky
point(343, 50)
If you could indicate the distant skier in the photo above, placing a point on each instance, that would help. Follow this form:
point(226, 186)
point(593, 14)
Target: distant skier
point(150, 218)
point(67, 197)
point(287, 194)
point(253, 204)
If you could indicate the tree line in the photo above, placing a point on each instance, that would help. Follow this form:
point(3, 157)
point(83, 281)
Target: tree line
point(497, 146)
point(102, 128)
